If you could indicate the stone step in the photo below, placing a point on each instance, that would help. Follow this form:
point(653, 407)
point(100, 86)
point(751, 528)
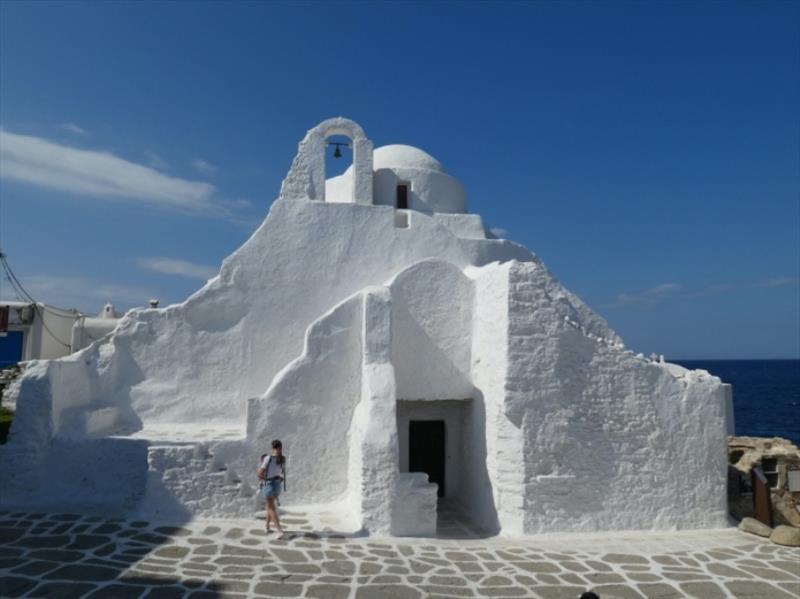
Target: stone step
point(189, 478)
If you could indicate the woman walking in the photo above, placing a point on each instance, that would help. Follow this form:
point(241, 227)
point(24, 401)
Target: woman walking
point(272, 473)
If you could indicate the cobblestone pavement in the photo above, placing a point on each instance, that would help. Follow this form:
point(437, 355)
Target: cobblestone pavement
point(66, 555)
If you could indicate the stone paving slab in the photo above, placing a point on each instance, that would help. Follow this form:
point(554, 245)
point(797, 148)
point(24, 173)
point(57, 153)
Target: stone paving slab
point(69, 555)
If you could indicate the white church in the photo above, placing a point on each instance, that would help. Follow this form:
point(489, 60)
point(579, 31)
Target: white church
point(405, 358)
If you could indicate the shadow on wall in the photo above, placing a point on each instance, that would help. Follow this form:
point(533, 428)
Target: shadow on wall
point(423, 368)
point(446, 439)
point(479, 498)
point(108, 405)
point(60, 461)
point(310, 406)
point(106, 477)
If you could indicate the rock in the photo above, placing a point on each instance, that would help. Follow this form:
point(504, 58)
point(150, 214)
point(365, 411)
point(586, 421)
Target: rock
point(786, 535)
point(745, 453)
point(755, 527)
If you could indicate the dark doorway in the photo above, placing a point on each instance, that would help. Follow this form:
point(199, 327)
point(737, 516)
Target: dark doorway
point(402, 196)
point(426, 450)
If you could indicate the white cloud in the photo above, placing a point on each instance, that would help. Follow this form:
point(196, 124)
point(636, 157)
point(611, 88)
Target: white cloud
point(499, 232)
point(86, 295)
point(73, 128)
point(181, 268)
point(648, 296)
point(665, 291)
point(43, 163)
point(156, 161)
point(203, 167)
point(662, 290)
point(241, 203)
point(779, 282)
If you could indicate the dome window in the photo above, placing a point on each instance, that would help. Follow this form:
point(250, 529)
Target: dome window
point(402, 196)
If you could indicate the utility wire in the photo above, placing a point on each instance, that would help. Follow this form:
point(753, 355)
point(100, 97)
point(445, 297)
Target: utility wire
point(19, 289)
point(17, 294)
point(38, 309)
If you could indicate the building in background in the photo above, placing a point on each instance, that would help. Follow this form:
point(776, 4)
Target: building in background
point(88, 329)
point(35, 330)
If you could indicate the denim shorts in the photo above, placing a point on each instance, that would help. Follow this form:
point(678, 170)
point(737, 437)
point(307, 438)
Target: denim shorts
point(272, 488)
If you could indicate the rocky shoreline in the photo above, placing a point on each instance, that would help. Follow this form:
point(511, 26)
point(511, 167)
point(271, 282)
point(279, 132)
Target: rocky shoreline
point(764, 487)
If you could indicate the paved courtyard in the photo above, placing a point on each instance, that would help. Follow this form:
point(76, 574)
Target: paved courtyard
point(69, 555)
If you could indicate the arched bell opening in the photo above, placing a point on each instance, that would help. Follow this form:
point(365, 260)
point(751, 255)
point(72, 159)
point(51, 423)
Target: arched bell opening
point(306, 178)
point(339, 157)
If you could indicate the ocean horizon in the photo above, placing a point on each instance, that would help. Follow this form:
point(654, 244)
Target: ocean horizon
point(766, 394)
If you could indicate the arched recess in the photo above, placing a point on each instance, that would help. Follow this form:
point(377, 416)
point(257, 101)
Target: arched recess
point(306, 178)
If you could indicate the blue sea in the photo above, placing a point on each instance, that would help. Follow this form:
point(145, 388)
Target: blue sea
point(766, 394)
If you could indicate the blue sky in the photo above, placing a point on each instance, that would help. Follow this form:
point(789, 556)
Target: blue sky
point(647, 151)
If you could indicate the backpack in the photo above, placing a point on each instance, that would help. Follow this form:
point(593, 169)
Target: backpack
point(262, 472)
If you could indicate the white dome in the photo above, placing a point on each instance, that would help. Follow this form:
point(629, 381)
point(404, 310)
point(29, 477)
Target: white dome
point(401, 156)
point(429, 187)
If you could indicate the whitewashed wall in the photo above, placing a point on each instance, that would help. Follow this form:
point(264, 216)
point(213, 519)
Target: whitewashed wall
point(432, 331)
point(611, 441)
point(493, 496)
point(327, 316)
point(311, 402)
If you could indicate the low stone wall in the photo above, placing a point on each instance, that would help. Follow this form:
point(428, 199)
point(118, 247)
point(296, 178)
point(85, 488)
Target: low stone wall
point(188, 480)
